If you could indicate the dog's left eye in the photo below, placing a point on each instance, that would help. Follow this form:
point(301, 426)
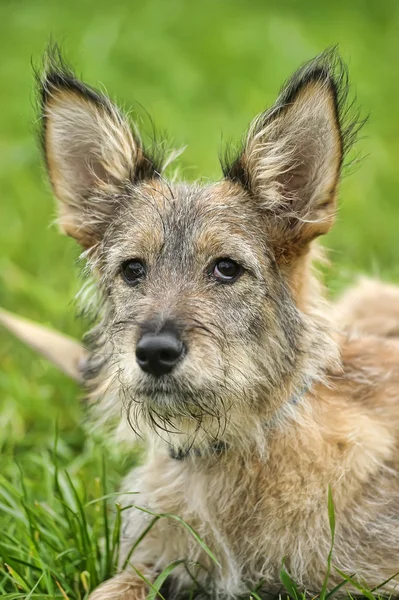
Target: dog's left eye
point(226, 270)
point(133, 271)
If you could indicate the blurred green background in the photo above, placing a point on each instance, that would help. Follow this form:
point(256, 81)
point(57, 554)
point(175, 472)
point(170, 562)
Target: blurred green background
point(202, 70)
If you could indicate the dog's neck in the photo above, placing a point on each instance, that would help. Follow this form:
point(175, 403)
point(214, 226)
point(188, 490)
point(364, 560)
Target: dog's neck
point(218, 447)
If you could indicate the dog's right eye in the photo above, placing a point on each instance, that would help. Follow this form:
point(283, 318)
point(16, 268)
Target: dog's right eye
point(226, 270)
point(133, 271)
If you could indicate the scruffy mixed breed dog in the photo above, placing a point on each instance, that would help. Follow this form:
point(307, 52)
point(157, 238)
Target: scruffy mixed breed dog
point(214, 341)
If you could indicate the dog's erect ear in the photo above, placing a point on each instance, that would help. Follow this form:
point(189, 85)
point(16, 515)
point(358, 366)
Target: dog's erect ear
point(293, 153)
point(90, 150)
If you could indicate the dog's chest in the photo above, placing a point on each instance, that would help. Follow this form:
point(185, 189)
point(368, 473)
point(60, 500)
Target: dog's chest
point(247, 513)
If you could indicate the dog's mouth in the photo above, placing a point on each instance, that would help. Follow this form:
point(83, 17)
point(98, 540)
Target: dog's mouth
point(165, 385)
point(170, 396)
point(163, 393)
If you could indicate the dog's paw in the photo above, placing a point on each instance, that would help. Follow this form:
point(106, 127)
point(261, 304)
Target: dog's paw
point(121, 587)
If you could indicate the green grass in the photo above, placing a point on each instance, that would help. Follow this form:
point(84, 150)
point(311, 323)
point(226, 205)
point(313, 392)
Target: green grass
point(200, 69)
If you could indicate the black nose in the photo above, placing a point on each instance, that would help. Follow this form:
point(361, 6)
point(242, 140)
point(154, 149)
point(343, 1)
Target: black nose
point(158, 353)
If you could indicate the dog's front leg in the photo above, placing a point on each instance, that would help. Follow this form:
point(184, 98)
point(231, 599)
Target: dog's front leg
point(124, 586)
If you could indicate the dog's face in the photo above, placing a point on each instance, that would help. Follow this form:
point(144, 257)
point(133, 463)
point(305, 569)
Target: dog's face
point(200, 316)
point(205, 315)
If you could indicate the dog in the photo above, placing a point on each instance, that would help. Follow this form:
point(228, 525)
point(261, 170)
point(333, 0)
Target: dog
point(215, 342)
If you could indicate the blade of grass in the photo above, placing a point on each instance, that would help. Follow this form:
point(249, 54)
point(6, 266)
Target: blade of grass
point(378, 587)
point(83, 527)
point(17, 578)
point(190, 529)
point(147, 582)
point(331, 519)
point(30, 595)
point(108, 557)
point(116, 535)
point(139, 539)
point(288, 582)
point(162, 577)
point(355, 584)
point(335, 589)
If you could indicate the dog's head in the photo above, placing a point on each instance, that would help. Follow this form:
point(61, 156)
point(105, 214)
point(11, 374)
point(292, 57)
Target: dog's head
point(209, 315)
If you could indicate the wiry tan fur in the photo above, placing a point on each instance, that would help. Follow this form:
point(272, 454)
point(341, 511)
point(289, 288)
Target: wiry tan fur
point(370, 307)
point(301, 395)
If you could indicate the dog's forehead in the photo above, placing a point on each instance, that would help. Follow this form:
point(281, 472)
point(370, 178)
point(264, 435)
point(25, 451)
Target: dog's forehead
point(192, 208)
point(187, 219)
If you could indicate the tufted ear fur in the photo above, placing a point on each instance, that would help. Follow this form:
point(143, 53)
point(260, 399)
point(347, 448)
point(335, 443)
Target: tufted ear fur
point(293, 153)
point(91, 153)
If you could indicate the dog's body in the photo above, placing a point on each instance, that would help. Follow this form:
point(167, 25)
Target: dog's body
point(254, 510)
point(215, 341)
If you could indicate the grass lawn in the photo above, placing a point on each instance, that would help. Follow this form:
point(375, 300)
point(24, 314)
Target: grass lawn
point(202, 70)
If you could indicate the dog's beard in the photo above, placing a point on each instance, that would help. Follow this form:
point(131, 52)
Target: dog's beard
point(176, 410)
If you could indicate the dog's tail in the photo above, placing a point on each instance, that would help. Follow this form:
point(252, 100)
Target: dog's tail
point(65, 352)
